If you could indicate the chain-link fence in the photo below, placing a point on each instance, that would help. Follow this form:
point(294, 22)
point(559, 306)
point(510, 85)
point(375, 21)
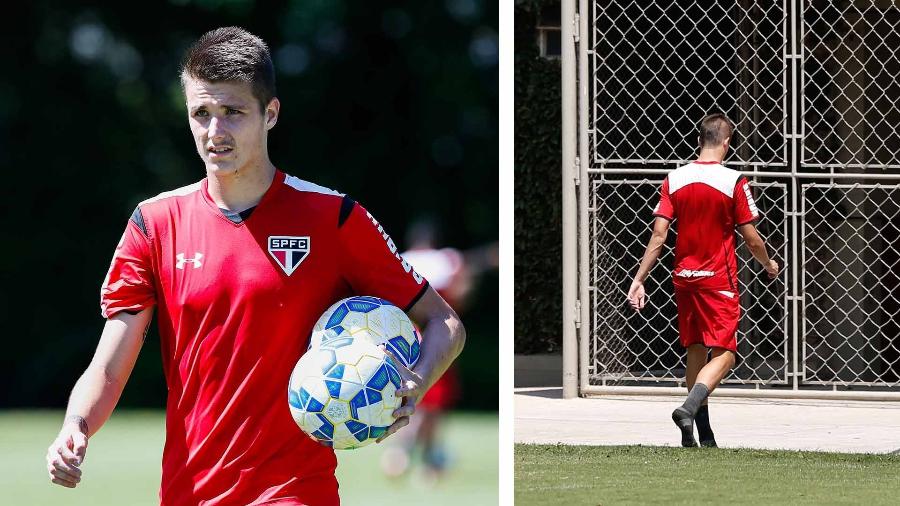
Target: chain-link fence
point(660, 66)
point(814, 90)
point(851, 277)
point(851, 94)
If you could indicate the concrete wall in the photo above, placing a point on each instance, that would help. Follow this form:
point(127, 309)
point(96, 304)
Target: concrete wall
point(543, 370)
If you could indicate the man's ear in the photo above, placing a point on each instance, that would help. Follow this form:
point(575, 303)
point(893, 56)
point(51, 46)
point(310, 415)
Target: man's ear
point(272, 111)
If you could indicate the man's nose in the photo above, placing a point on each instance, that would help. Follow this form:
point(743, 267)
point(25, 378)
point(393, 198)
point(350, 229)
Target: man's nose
point(216, 129)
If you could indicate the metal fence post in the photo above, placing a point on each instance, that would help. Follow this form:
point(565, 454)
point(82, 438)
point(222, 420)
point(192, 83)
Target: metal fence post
point(583, 197)
point(794, 161)
point(569, 204)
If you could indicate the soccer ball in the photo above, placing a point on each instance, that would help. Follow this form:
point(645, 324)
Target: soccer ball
point(341, 393)
point(379, 321)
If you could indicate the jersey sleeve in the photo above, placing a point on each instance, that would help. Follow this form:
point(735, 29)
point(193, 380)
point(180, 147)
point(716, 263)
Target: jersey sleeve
point(745, 210)
point(372, 264)
point(129, 284)
point(664, 208)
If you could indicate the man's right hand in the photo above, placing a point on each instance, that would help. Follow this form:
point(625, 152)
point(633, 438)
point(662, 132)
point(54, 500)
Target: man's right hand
point(637, 297)
point(66, 453)
point(772, 269)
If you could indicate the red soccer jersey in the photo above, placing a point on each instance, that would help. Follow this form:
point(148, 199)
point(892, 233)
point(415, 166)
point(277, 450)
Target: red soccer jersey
point(709, 201)
point(236, 303)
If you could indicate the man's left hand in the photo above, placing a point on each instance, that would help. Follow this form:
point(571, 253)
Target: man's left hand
point(411, 389)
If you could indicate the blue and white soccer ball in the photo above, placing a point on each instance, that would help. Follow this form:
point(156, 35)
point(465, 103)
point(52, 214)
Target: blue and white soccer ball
point(374, 319)
point(342, 393)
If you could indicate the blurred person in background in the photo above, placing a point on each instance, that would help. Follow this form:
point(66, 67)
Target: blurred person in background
point(453, 274)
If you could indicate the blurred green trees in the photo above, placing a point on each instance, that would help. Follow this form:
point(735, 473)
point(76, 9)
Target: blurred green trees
point(538, 187)
point(392, 103)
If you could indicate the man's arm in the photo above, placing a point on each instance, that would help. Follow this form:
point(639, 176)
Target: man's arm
point(443, 338)
point(636, 294)
point(96, 393)
point(757, 247)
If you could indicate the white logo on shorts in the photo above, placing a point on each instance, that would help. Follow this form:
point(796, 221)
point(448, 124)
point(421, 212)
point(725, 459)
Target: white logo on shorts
point(687, 273)
point(726, 293)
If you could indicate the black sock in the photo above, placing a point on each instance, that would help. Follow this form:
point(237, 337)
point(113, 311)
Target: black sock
point(695, 398)
point(702, 420)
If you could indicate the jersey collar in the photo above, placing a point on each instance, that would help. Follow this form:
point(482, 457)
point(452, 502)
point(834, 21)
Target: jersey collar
point(277, 183)
point(705, 162)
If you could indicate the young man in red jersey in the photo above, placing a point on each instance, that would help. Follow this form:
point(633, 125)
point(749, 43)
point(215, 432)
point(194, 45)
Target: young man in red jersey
point(239, 266)
point(709, 201)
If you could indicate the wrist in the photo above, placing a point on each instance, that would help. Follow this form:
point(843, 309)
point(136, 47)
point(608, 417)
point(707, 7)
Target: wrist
point(423, 375)
point(78, 422)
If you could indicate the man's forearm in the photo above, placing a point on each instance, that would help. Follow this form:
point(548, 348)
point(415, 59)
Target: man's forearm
point(92, 400)
point(442, 342)
point(654, 246)
point(758, 250)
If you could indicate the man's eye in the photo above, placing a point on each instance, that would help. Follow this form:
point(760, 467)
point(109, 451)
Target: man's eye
point(232, 111)
point(201, 114)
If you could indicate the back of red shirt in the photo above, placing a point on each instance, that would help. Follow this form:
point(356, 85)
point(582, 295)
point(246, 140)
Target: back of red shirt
point(707, 201)
point(236, 303)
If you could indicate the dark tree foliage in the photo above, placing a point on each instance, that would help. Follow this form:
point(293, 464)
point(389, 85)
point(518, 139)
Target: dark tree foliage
point(393, 103)
point(538, 209)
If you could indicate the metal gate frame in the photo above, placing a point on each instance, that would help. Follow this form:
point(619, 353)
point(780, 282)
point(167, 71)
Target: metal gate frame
point(577, 171)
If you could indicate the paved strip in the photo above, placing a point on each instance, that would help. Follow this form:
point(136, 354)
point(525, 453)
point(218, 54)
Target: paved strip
point(542, 416)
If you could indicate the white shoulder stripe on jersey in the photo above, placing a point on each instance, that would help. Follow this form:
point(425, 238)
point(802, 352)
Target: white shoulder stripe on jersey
point(716, 176)
point(305, 186)
point(178, 192)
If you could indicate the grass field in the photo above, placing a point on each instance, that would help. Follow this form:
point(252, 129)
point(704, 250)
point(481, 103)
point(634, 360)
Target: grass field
point(123, 464)
point(613, 475)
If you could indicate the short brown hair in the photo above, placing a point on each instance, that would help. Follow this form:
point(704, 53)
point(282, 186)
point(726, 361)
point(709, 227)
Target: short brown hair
point(714, 129)
point(232, 54)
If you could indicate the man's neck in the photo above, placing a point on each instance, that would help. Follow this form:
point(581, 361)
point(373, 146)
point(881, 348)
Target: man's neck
point(710, 155)
point(242, 189)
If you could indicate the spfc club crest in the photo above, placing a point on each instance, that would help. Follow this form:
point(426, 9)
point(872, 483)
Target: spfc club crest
point(288, 251)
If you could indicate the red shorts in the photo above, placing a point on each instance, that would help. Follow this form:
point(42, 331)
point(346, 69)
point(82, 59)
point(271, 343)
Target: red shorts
point(708, 317)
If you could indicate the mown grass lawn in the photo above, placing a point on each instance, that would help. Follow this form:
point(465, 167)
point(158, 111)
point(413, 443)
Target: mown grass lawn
point(123, 464)
point(613, 475)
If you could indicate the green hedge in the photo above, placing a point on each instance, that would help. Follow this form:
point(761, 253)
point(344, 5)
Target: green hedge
point(538, 210)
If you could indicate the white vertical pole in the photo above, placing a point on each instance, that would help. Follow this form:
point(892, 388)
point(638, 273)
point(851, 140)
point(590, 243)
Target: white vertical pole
point(584, 318)
point(796, 235)
point(569, 205)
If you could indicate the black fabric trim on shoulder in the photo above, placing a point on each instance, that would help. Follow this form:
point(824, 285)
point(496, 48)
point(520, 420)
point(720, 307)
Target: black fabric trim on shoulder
point(138, 219)
point(416, 298)
point(670, 220)
point(746, 222)
point(346, 208)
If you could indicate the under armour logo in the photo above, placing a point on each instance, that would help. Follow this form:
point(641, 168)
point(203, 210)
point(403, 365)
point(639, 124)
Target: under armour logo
point(182, 260)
